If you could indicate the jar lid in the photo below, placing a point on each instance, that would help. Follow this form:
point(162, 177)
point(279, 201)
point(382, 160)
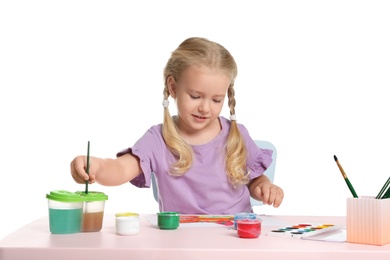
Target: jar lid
point(92, 195)
point(127, 214)
point(64, 196)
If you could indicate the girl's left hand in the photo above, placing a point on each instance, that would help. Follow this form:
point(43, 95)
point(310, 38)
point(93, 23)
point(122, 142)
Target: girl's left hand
point(269, 193)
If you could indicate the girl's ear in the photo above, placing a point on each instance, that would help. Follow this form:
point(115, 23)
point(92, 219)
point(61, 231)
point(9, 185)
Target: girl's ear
point(171, 83)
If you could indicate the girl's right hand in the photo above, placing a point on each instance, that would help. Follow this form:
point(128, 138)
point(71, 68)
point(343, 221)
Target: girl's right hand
point(78, 168)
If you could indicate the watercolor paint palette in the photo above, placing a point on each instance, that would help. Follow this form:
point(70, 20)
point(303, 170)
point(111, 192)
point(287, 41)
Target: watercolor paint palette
point(304, 231)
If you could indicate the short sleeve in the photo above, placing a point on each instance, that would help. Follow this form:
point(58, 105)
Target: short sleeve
point(262, 160)
point(258, 159)
point(147, 149)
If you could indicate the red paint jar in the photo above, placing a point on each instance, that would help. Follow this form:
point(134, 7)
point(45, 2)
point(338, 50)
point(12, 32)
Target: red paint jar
point(249, 228)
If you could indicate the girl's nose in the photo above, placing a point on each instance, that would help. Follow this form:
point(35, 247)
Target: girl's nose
point(204, 106)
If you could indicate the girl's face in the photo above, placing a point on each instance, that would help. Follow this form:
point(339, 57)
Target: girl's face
point(199, 94)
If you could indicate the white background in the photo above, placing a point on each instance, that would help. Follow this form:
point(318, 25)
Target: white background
point(313, 79)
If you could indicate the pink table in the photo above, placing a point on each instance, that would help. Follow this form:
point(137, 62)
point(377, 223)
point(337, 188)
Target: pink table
point(34, 241)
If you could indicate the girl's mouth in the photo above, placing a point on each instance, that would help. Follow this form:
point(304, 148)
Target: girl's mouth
point(200, 117)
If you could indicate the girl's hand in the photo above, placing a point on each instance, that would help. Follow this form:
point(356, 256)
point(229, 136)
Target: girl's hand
point(261, 188)
point(78, 169)
point(269, 193)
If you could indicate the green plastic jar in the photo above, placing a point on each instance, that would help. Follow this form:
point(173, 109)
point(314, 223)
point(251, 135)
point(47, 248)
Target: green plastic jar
point(168, 220)
point(65, 211)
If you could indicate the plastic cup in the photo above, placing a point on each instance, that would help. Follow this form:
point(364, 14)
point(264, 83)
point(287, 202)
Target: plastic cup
point(65, 211)
point(127, 224)
point(93, 211)
point(168, 220)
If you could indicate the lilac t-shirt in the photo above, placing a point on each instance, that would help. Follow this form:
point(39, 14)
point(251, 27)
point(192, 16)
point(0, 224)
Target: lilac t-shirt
point(205, 188)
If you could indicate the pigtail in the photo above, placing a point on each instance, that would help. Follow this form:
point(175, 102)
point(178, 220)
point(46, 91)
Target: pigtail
point(175, 143)
point(236, 152)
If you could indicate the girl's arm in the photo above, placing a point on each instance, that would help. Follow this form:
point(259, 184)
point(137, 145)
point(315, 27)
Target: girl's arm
point(261, 188)
point(108, 172)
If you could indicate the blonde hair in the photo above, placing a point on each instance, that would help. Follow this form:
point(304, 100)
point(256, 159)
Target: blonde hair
point(202, 52)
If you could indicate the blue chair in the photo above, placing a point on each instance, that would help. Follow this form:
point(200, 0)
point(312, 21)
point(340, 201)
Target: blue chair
point(270, 172)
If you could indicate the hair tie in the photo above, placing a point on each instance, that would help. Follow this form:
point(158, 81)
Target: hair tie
point(233, 117)
point(165, 103)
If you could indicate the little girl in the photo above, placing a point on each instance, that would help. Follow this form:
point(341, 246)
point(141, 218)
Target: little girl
point(203, 162)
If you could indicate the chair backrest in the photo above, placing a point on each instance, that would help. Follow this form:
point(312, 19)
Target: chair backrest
point(270, 172)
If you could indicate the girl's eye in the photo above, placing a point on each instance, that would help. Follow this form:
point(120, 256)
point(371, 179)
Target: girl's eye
point(217, 101)
point(193, 97)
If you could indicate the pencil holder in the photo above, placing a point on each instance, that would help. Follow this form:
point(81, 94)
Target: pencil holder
point(368, 221)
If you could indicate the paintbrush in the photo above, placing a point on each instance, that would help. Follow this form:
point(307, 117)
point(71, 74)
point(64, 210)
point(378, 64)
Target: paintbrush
point(87, 170)
point(383, 194)
point(345, 177)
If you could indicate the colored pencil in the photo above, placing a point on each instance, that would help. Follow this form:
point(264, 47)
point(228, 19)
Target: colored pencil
point(345, 177)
